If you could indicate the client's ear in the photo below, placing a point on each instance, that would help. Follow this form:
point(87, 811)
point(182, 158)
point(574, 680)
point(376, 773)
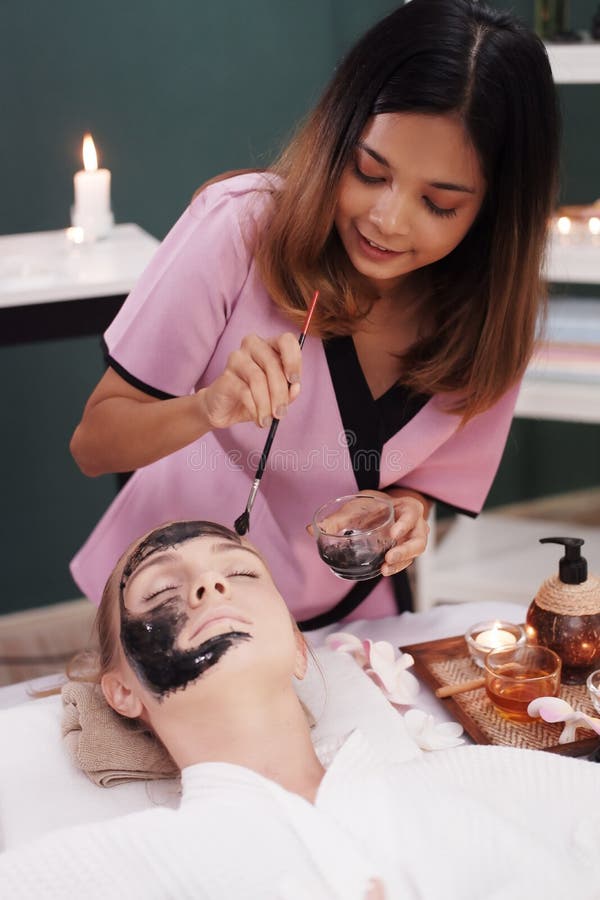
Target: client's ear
point(118, 695)
point(301, 654)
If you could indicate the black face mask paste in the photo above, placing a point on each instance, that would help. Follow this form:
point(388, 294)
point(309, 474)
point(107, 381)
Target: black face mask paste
point(149, 641)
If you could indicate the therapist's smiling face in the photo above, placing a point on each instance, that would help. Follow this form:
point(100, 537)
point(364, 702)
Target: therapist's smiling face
point(409, 196)
point(192, 594)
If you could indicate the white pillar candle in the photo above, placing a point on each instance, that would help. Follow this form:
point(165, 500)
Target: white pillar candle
point(91, 211)
point(495, 637)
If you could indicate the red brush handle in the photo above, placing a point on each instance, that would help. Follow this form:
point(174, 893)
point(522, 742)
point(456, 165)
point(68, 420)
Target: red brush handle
point(305, 327)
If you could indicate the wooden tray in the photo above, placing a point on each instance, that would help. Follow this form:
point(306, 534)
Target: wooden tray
point(447, 661)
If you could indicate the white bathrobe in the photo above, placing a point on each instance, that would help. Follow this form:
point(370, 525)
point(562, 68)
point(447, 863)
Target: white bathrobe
point(461, 824)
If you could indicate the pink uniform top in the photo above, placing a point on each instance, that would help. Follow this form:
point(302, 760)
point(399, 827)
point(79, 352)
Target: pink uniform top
point(199, 297)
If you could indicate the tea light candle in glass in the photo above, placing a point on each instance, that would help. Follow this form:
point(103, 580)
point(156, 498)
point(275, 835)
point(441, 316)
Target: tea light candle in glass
point(593, 687)
point(486, 636)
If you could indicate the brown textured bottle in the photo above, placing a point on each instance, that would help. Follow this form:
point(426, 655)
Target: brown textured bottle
point(565, 614)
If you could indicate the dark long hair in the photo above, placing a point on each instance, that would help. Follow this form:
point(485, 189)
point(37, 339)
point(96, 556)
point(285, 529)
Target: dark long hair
point(432, 57)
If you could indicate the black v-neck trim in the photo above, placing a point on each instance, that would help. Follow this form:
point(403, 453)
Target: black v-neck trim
point(368, 423)
point(360, 418)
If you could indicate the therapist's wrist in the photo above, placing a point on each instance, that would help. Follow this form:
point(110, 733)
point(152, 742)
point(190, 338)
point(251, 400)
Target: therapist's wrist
point(199, 409)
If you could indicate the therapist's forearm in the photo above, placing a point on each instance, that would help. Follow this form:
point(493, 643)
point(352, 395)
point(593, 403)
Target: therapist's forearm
point(399, 492)
point(120, 434)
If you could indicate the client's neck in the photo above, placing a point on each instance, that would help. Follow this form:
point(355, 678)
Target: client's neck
point(265, 732)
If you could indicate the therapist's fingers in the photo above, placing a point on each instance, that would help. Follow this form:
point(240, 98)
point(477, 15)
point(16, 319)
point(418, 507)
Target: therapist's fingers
point(291, 356)
point(410, 533)
point(272, 390)
point(267, 356)
point(258, 366)
point(348, 517)
point(408, 512)
point(402, 555)
point(251, 376)
point(227, 401)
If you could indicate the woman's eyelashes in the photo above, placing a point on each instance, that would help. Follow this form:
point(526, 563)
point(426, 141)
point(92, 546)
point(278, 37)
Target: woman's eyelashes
point(438, 210)
point(378, 179)
point(366, 179)
point(157, 592)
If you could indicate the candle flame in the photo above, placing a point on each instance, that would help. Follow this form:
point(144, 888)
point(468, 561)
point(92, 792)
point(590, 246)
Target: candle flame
point(90, 159)
point(564, 225)
point(594, 225)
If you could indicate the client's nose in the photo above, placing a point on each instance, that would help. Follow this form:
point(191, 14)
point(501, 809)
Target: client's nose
point(210, 584)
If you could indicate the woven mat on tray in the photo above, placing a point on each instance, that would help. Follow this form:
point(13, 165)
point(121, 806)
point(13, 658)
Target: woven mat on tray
point(536, 735)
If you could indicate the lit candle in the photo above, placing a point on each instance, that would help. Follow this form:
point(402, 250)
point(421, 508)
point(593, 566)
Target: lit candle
point(563, 226)
point(594, 229)
point(495, 637)
point(91, 211)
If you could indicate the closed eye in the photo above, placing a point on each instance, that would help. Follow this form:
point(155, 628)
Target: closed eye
point(438, 210)
point(243, 574)
point(168, 587)
point(366, 179)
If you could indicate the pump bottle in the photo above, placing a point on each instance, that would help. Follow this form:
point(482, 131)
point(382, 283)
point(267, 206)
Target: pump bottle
point(565, 613)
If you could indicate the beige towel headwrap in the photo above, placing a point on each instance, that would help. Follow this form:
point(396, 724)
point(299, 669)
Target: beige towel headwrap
point(110, 749)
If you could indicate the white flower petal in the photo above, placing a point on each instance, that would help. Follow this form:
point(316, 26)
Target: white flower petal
point(382, 651)
point(405, 661)
point(406, 689)
point(381, 663)
point(569, 733)
point(430, 735)
point(344, 642)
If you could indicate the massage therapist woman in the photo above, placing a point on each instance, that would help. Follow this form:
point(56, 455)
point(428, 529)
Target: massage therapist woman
point(415, 199)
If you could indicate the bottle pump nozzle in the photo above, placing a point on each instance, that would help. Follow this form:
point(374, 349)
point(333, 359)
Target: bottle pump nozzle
point(572, 568)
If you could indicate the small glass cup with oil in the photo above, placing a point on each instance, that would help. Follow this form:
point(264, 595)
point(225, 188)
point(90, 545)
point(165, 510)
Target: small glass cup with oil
point(514, 676)
point(353, 535)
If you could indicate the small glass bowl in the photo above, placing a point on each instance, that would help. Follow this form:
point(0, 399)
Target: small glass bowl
point(514, 676)
point(353, 535)
point(486, 636)
point(593, 686)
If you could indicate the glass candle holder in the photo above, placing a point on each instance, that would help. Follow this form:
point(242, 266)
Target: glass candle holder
point(514, 676)
point(486, 636)
point(593, 687)
point(353, 535)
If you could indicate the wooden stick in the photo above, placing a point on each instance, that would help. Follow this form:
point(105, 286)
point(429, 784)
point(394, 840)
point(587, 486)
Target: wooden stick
point(450, 689)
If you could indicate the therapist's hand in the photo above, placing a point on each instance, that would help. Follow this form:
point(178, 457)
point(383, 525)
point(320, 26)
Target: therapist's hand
point(259, 382)
point(410, 529)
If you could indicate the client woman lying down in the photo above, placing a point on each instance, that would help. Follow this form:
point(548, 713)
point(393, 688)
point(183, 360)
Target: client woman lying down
point(198, 643)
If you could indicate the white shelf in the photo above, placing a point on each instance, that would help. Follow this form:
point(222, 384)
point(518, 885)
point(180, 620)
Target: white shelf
point(575, 63)
point(559, 401)
point(573, 260)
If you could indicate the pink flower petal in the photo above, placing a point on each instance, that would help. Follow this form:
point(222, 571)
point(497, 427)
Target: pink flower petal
point(551, 709)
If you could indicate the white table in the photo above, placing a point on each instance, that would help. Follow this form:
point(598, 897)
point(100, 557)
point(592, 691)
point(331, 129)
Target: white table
point(52, 288)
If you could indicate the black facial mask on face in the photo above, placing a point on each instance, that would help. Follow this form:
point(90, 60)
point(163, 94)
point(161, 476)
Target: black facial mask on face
point(149, 641)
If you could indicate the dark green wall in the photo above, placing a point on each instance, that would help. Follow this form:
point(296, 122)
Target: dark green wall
point(173, 93)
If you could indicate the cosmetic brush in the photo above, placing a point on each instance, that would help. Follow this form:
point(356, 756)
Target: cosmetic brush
point(242, 523)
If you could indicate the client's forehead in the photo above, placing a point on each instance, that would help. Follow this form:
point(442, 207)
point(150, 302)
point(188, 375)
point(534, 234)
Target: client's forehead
point(208, 549)
point(165, 543)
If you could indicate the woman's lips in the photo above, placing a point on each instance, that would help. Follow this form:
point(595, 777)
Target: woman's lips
point(220, 615)
point(377, 252)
